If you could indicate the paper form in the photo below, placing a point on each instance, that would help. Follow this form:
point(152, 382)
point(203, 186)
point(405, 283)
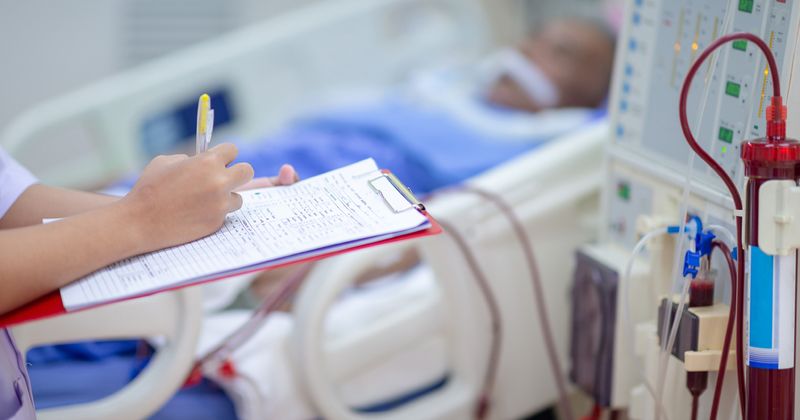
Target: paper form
point(337, 209)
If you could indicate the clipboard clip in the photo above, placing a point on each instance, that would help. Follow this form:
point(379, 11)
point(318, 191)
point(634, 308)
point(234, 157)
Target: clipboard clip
point(396, 195)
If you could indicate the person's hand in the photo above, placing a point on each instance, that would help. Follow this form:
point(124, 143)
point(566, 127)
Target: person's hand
point(286, 176)
point(178, 198)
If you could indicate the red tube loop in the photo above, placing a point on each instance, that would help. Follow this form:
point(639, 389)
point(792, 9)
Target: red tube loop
point(726, 179)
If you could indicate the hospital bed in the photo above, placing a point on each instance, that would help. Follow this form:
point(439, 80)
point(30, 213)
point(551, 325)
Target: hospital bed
point(269, 73)
point(554, 190)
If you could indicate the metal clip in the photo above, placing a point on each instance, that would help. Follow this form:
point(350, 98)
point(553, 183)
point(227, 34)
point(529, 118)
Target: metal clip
point(398, 187)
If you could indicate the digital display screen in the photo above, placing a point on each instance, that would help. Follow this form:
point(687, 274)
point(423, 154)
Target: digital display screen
point(740, 44)
point(733, 89)
point(624, 191)
point(746, 6)
point(726, 135)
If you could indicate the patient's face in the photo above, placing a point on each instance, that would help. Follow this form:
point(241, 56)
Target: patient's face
point(575, 55)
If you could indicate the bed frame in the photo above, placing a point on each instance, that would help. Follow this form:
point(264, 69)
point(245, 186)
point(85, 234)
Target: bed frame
point(269, 73)
point(555, 191)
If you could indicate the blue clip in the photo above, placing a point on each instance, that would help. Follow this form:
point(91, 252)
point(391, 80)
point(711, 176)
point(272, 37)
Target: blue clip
point(702, 248)
point(691, 263)
point(703, 242)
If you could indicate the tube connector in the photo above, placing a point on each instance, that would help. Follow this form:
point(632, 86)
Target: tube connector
point(776, 119)
point(649, 223)
point(692, 260)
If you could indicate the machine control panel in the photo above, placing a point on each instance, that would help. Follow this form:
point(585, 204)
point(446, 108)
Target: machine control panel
point(627, 199)
point(661, 41)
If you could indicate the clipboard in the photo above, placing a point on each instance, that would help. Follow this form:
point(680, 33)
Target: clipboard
point(395, 194)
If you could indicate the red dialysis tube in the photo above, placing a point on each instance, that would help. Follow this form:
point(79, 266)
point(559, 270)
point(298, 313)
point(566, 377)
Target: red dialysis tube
point(770, 351)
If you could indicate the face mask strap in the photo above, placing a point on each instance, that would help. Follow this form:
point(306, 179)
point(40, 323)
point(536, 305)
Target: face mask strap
point(539, 88)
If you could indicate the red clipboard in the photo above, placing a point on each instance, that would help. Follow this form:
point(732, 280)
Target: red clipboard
point(51, 305)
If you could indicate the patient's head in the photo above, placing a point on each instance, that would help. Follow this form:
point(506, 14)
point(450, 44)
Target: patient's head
point(572, 63)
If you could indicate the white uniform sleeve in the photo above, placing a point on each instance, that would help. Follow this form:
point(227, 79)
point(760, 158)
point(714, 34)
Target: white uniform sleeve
point(14, 180)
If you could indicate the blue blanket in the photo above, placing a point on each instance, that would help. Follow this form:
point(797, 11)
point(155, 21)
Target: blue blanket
point(83, 372)
point(425, 147)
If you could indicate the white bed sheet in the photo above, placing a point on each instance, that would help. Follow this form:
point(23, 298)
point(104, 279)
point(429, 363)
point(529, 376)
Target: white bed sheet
point(266, 386)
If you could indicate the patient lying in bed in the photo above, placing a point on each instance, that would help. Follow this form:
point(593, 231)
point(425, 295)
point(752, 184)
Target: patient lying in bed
point(439, 130)
point(446, 126)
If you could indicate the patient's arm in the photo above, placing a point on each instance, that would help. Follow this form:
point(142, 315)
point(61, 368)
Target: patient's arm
point(407, 260)
point(268, 282)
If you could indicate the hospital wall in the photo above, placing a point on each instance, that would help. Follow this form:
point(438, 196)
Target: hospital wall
point(50, 48)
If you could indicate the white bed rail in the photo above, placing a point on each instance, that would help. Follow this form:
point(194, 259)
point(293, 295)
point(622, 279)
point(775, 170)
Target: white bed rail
point(555, 191)
point(269, 72)
point(174, 316)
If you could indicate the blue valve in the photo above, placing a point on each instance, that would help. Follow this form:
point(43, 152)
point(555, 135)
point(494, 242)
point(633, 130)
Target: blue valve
point(691, 263)
point(702, 248)
point(703, 242)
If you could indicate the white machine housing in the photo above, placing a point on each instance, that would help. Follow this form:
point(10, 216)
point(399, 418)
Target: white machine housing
point(649, 162)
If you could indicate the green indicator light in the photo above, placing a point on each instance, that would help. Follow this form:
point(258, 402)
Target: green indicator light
point(624, 191)
point(733, 89)
point(740, 45)
point(746, 6)
point(726, 135)
point(724, 149)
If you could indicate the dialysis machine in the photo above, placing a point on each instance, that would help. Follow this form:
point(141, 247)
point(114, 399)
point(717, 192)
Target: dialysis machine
point(654, 182)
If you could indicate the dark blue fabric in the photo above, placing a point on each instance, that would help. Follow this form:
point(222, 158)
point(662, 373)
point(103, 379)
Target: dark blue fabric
point(404, 399)
point(313, 151)
point(86, 351)
point(77, 373)
point(205, 401)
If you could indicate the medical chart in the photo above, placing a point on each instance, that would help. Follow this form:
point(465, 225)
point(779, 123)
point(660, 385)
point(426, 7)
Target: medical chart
point(336, 210)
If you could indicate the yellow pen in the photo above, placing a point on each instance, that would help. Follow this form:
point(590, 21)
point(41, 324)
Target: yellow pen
point(205, 123)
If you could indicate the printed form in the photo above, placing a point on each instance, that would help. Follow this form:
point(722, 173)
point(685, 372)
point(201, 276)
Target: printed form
point(338, 209)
